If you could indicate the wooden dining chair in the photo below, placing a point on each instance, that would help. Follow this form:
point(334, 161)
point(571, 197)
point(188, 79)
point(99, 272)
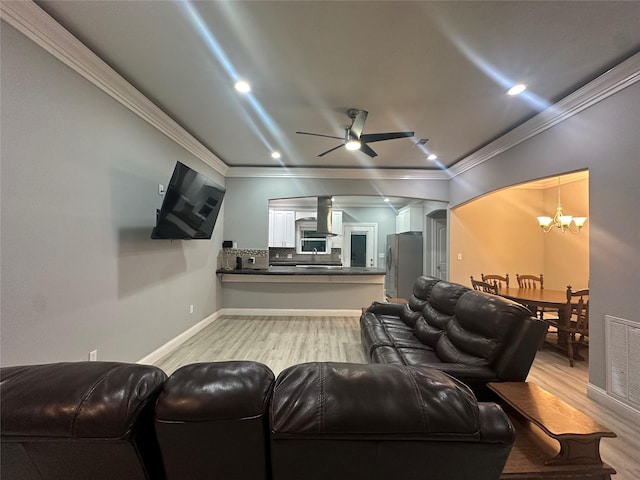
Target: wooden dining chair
point(535, 281)
point(577, 326)
point(502, 282)
point(530, 281)
point(486, 287)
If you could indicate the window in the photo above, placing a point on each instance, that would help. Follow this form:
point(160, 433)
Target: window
point(308, 240)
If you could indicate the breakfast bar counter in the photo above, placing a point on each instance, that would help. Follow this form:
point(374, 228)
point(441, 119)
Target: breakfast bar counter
point(309, 287)
point(305, 270)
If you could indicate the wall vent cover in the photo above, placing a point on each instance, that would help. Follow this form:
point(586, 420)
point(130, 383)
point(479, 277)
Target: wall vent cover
point(622, 340)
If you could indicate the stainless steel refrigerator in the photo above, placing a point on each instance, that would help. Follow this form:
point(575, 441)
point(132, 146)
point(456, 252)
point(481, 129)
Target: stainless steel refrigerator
point(404, 263)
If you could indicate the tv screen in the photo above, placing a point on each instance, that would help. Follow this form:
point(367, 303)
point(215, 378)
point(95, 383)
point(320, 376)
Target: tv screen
point(190, 207)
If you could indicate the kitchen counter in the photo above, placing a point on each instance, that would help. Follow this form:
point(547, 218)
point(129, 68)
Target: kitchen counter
point(300, 290)
point(305, 270)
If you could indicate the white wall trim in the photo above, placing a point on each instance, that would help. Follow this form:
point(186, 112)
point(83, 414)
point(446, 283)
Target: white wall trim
point(294, 312)
point(175, 342)
point(339, 173)
point(621, 76)
point(621, 409)
point(33, 22)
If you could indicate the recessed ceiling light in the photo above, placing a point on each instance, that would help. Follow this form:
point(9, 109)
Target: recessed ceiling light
point(517, 89)
point(275, 154)
point(433, 156)
point(386, 200)
point(243, 86)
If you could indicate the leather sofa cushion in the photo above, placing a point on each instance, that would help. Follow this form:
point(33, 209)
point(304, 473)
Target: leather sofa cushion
point(445, 295)
point(386, 354)
point(482, 325)
point(356, 399)
point(210, 391)
point(427, 334)
point(76, 400)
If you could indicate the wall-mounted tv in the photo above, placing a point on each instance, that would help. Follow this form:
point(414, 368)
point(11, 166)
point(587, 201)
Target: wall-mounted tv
point(190, 207)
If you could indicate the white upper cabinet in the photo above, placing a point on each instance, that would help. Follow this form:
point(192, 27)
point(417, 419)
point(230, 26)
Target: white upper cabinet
point(282, 228)
point(409, 219)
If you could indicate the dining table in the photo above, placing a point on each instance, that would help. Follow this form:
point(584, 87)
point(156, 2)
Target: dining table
point(535, 298)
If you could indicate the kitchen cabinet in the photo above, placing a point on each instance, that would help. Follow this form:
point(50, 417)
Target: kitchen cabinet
point(282, 228)
point(409, 219)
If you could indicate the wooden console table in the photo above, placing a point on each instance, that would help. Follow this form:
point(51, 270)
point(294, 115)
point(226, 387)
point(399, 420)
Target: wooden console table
point(553, 439)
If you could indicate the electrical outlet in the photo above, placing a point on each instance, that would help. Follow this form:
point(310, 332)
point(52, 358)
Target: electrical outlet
point(190, 308)
point(459, 256)
point(160, 189)
point(93, 355)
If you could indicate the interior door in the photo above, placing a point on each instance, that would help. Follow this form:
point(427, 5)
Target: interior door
point(360, 245)
point(439, 246)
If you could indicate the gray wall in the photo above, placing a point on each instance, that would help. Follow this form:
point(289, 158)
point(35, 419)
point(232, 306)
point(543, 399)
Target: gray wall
point(247, 201)
point(78, 195)
point(385, 217)
point(605, 139)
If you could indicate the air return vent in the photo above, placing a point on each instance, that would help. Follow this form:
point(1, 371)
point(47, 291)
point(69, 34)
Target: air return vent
point(622, 339)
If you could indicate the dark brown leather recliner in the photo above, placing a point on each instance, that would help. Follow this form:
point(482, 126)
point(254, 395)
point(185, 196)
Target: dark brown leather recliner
point(473, 336)
point(85, 420)
point(211, 421)
point(326, 421)
point(382, 422)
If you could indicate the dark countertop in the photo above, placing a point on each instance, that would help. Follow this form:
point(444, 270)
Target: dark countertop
point(309, 270)
point(293, 263)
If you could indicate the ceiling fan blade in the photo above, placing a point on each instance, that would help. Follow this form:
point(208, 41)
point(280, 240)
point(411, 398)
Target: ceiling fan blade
point(320, 135)
point(378, 137)
point(358, 123)
point(331, 150)
point(368, 150)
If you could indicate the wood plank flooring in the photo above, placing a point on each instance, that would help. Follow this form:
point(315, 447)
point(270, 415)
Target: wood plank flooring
point(279, 342)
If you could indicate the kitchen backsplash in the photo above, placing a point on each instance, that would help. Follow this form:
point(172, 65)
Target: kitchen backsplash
point(252, 258)
point(288, 256)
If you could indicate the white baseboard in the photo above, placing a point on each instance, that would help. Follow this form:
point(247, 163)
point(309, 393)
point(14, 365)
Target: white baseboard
point(179, 340)
point(291, 312)
point(621, 409)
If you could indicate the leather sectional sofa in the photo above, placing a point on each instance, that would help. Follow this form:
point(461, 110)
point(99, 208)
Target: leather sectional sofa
point(473, 336)
point(233, 420)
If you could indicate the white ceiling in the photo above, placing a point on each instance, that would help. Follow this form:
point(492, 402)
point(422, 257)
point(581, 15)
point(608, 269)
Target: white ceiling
point(437, 68)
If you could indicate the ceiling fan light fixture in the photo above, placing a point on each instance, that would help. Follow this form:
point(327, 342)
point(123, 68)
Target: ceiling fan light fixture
point(352, 144)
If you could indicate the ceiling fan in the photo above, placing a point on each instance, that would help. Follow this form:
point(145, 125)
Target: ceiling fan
point(354, 139)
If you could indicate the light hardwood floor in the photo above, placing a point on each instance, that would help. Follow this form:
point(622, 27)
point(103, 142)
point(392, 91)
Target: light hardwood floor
point(279, 342)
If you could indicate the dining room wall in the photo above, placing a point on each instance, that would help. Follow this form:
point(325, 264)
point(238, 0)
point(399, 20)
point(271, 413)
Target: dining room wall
point(498, 233)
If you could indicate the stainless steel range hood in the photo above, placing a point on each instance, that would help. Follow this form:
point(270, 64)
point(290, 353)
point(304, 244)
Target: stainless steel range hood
point(325, 211)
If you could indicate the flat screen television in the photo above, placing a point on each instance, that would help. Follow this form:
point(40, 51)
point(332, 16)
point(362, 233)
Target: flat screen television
point(190, 207)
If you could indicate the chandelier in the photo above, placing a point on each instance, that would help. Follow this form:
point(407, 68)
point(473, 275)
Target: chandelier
point(560, 220)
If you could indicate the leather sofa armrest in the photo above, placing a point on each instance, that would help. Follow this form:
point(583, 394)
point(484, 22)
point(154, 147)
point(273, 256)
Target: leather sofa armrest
point(386, 308)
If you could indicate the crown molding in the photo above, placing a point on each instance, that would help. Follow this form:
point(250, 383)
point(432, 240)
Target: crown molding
point(33, 22)
point(619, 77)
point(338, 173)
